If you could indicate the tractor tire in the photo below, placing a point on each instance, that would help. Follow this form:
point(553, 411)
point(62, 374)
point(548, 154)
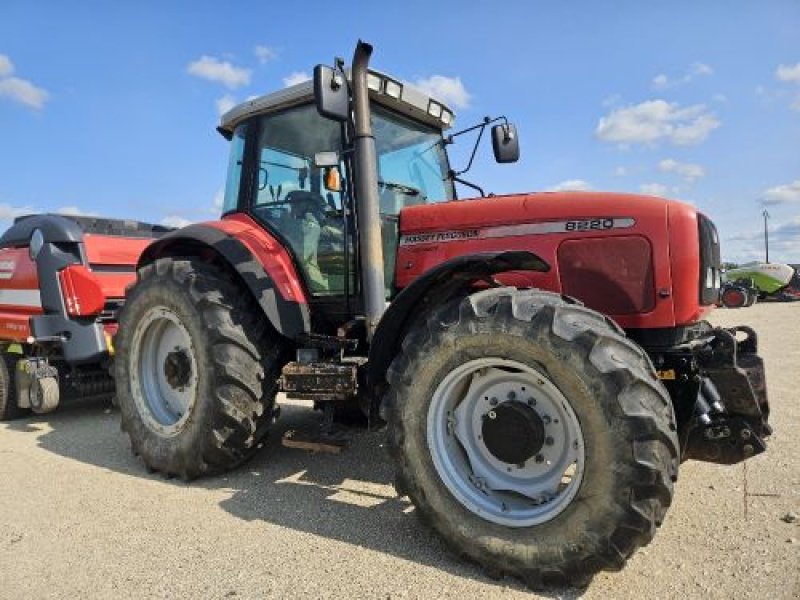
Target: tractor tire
point(532, 436)
point(9, 409)
point(734, 297)
point(196, 369)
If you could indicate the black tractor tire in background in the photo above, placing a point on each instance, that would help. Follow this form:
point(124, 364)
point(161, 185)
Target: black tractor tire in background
point(9, 409)
point(624, 413)
point(237, 358)
point(735, 296)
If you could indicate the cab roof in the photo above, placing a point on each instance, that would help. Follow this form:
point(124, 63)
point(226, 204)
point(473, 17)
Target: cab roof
point(412, 102)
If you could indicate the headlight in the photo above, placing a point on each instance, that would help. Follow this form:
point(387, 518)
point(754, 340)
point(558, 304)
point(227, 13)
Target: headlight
point(393, 88)
point(373, 82)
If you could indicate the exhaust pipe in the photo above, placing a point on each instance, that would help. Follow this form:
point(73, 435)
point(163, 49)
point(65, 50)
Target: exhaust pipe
point(366, 175)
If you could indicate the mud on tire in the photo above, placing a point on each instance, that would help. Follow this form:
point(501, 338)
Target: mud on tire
point(220, 349)
point(630, 447)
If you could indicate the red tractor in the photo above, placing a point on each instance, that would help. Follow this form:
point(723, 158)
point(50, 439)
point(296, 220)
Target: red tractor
point(540, 360)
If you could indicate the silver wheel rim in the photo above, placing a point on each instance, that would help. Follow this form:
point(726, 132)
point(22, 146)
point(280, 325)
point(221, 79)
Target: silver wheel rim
point(515, 495)
point(164, 371)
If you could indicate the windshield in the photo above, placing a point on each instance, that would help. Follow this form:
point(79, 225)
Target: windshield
point(412, 163)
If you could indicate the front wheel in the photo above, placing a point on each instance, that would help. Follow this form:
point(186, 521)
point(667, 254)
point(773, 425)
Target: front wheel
point(195, 369)
point(532, 435)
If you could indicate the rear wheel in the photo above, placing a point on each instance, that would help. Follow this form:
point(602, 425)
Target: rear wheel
point(532, 435)
point(196, 369)
point(8, 394)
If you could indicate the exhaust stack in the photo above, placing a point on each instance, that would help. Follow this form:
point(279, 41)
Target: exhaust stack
point(366, 171)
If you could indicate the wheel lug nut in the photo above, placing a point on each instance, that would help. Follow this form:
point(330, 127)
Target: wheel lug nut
point(512, 395)
point(549, 441)
point(531, 401)
point(539, 458)
point(493, 401)
point(546, 419)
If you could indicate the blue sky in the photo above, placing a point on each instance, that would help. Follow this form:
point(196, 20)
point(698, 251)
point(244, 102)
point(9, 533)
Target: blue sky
point(110, 107)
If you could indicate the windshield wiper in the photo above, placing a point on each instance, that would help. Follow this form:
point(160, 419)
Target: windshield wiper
point(403, 189)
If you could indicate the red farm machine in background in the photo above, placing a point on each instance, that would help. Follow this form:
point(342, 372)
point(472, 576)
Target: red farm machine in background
point(62, 280)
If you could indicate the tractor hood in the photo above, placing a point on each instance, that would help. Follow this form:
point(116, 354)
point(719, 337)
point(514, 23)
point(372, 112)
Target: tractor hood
point(646, 261)
point(557, 209)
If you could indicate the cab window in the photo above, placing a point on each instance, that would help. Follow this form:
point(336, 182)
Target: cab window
point(291, 197)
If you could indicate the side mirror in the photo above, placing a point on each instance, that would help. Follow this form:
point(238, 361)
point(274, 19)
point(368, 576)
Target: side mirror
point(505, 143)
point(330, 93)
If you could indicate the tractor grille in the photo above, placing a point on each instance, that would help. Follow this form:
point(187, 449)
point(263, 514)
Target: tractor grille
point(613, 275)
point(710, 264)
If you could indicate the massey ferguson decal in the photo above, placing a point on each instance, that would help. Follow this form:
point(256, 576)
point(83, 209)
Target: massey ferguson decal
point(502, 231)
point(439, 236)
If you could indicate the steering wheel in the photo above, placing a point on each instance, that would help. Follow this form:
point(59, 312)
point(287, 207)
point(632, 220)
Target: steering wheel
point(302, 202)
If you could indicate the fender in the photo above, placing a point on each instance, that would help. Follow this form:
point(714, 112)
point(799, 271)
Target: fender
point(263, 264)
point(439, 284)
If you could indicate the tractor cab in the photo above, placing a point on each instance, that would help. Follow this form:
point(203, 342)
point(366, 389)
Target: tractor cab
point(291, 170)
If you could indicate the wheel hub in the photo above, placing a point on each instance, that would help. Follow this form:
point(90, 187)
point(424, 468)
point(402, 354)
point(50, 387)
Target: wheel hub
point(521, 467)
point(513, 432)
point(164, 371)
point(178, 369)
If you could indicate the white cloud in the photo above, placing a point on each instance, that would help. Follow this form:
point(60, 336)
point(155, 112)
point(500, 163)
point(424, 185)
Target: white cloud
point(719, 98)
point(653, 189)
point(175, 221)
point(795, 105)
point(225, 103)
point(660, 81)
point(296, 78)
point(24, 92)
point(574, 185)
point(8, 211)
point(621, 171)
point(782, 194)
point(74, 211)
point(788, 73)
point(6, 66)
point(690, 172)
point(213, 69)
point(449, 90)
point(216, 204)
point(698, 69)
point(265, 54)
point(656, 120)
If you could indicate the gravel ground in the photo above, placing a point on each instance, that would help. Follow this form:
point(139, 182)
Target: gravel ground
point(80, 517)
